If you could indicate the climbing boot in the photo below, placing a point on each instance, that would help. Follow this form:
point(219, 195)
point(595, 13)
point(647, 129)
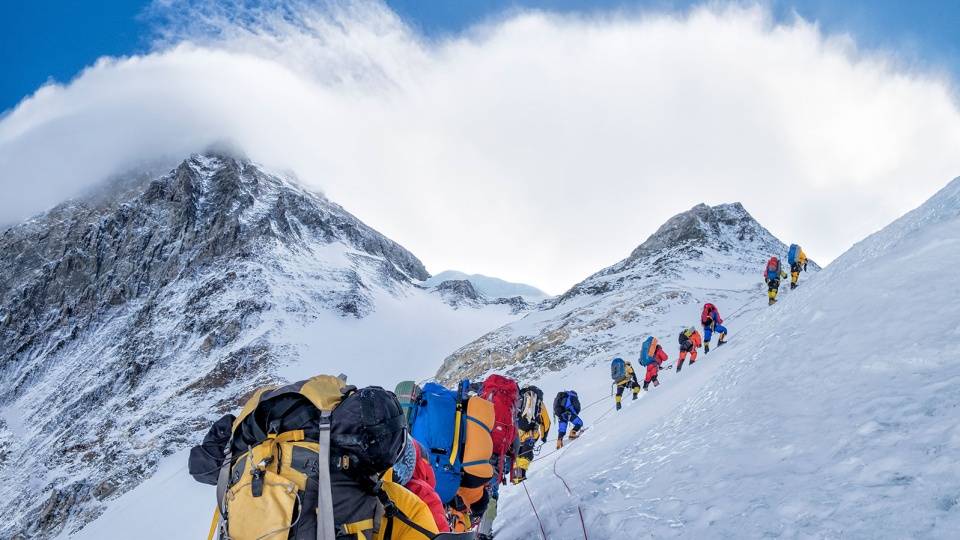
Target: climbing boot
point(559, 443)
point(619, 406)
point(574, 434)
point(706, 347)
point(635, 392)
point(656, 382)
point(721, 342)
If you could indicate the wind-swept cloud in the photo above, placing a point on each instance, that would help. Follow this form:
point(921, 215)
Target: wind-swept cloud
point(539, 147)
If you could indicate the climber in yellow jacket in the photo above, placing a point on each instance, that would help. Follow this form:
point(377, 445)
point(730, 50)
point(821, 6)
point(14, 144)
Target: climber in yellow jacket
point(798, 261)
point(629, 381)
point(261, 459)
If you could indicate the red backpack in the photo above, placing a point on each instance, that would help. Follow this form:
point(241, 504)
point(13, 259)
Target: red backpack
point(773, 268)
point(504, 393)
point(707, 314)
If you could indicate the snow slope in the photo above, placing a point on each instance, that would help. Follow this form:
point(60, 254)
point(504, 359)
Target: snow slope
point(833, 414)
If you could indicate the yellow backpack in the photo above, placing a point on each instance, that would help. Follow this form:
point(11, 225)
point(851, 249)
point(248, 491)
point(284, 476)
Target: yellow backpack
point(308, 467)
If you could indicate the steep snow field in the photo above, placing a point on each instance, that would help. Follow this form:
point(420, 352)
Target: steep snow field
point(833, 414)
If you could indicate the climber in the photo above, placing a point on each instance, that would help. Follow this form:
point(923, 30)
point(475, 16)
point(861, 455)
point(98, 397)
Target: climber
point(261, 490)
point(413, 471)
point(566, 407)
point(652, 356)
point(690, 341)
point(797, 260)
point(533, 423)
point(711, 321)
point(772, 276)
point(624, 376)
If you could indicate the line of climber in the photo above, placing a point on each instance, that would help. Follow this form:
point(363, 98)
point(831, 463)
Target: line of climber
point(652, 356)
point(320, 459)
point(420, 462)
point(774, 272)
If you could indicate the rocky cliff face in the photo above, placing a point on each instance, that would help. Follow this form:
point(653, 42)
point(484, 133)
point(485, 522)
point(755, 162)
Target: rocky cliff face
point(708, 253)
point(129, 319)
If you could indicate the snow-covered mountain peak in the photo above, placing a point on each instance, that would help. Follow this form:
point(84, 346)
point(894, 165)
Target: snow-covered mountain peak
point(724, 226)
point(490, 287)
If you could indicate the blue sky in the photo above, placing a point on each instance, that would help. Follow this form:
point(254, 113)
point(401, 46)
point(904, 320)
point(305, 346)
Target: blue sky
point(42, 39)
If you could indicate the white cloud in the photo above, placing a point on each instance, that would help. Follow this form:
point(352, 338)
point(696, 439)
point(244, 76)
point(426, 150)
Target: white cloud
point(536, 148)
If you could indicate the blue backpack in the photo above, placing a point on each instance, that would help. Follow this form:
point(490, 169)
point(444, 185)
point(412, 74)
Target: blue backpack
point(433, 426)
point(645, 356)
point(792, 254)
point(618, 369)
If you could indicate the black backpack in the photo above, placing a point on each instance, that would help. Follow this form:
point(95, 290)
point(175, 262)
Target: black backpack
point(277, 441)
point(559, 403)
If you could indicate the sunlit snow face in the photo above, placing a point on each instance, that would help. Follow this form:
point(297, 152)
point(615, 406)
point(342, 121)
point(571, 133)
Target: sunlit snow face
point(520, 142)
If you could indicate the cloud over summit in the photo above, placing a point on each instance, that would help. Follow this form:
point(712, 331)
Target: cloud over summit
point(538, 147)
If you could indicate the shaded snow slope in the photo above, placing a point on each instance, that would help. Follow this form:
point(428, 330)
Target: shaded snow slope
point(707, 254)
point(833, 414)
point(490, 287)
point(130, 321)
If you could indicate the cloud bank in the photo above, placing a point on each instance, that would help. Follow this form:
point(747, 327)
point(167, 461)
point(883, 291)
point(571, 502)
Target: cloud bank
point(536, 148)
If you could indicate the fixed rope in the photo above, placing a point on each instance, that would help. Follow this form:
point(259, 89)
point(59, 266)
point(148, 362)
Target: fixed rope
point(543, 533)
point(583, 525)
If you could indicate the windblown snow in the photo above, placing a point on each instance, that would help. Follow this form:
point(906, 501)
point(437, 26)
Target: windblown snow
point(830, 415)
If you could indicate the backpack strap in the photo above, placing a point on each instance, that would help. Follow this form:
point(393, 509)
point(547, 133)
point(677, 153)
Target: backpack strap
point(224, 477)
point(325, 530)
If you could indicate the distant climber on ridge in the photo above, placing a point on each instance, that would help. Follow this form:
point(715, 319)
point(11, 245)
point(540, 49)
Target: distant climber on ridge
point(652, 356)
point(623, 376)
point(533, 422)
point(772, 276)
point(566, 407)
point(797, 260)
point(690, 340)
point(711, 321)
